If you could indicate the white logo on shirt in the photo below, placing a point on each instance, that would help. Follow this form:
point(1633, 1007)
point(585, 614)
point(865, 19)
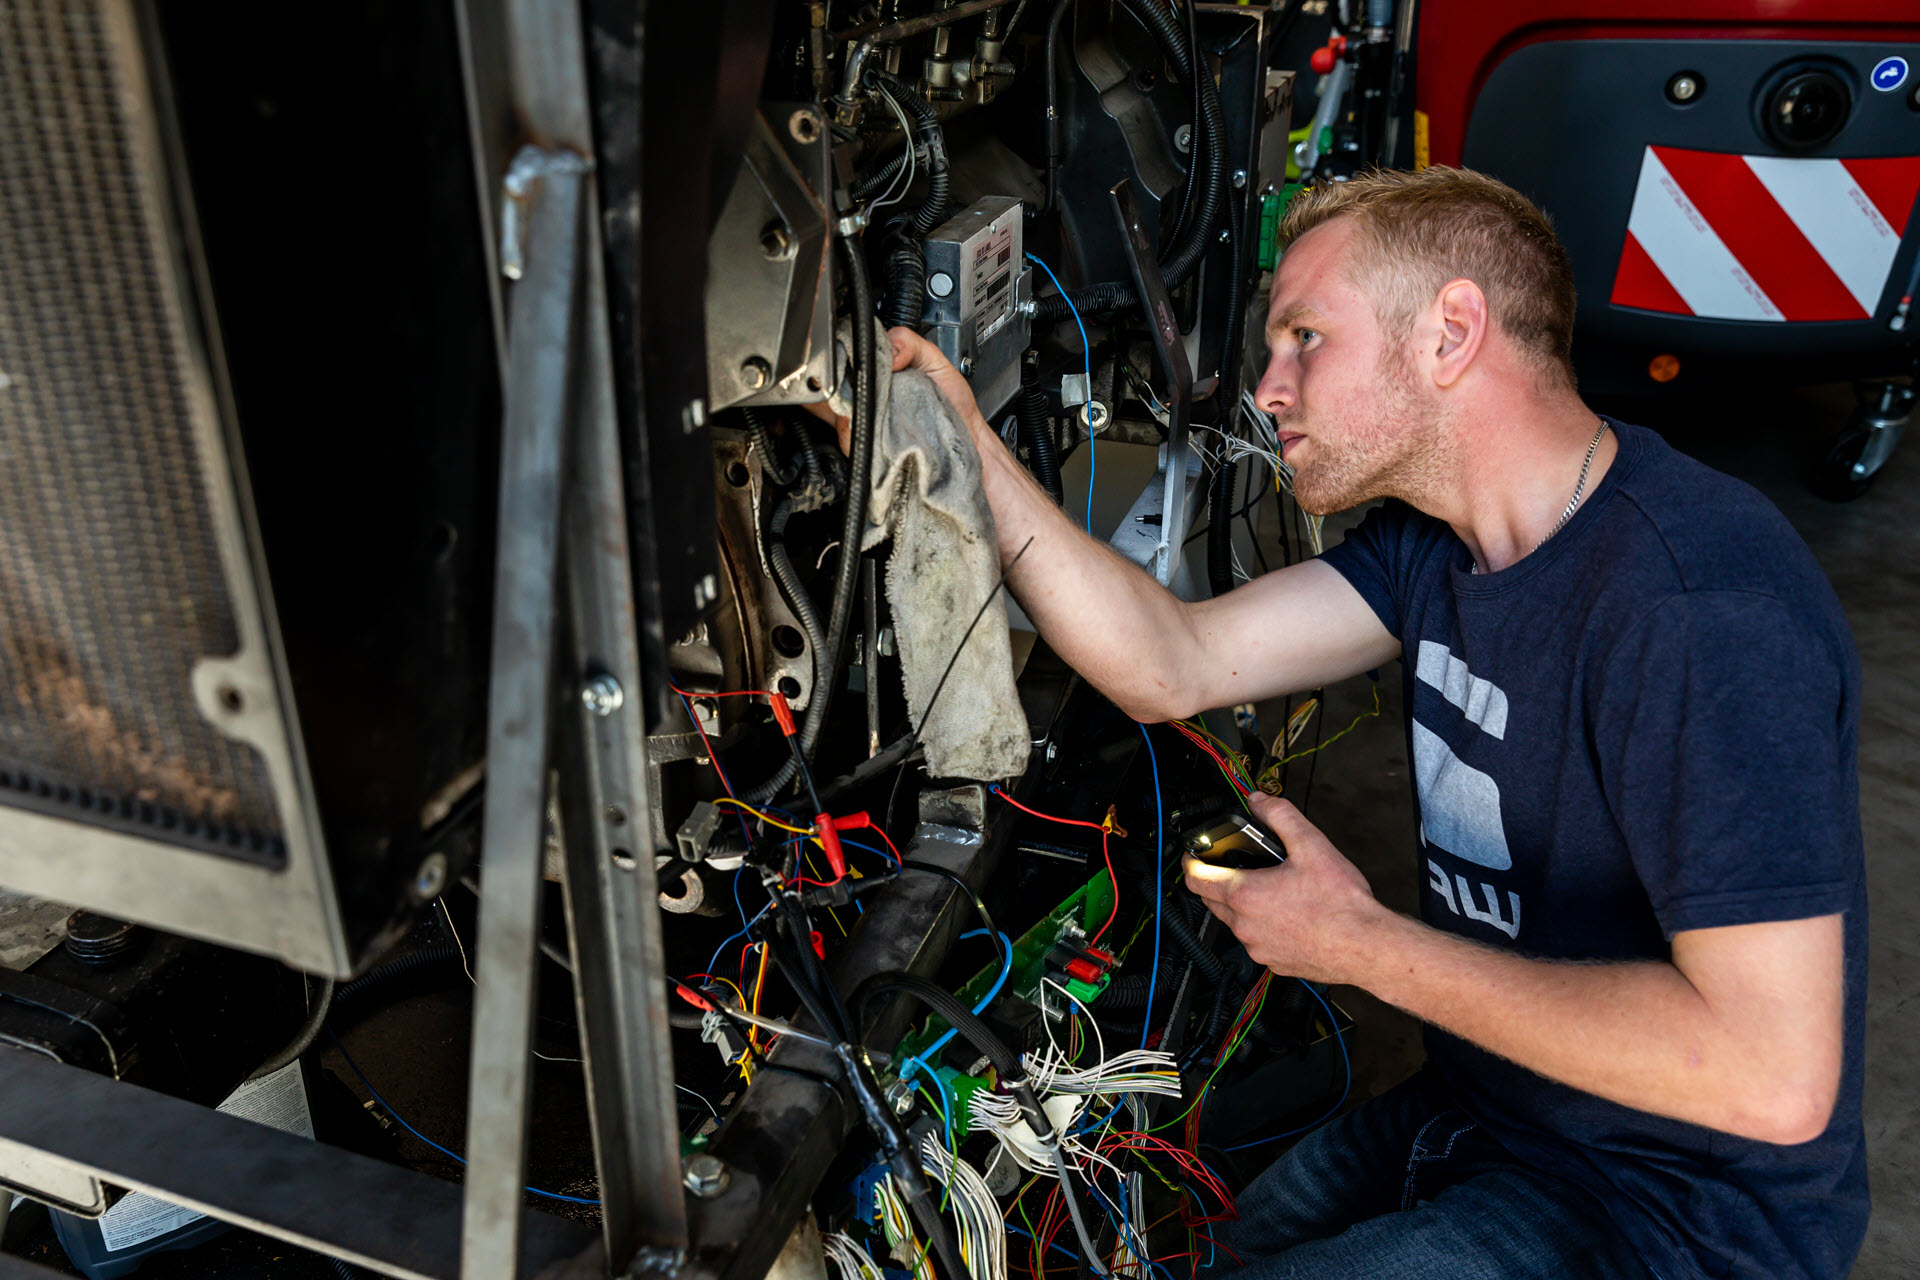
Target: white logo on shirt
point(1459, 804)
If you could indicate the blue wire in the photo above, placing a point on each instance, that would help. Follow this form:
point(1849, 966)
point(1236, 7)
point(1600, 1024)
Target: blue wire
point(918, 1062)
point(946, 1107)
point(1057, 1248)
point(1159, 869)
point(1332, 1111)
point(388, 1108)
point(1086, 410)
point(721, 949)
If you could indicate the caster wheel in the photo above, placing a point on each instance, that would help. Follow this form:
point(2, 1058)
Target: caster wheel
point(1842, 475)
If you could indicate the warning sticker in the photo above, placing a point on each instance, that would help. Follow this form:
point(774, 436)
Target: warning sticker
point(278, 1100)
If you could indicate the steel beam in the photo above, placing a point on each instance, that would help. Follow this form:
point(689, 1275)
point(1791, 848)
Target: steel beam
point(376, 1215)
point(612, 895)
point(539, 407)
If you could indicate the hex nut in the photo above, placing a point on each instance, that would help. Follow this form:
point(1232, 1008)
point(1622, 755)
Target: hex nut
point(602, 695)
point(756, 374)
point(705, 1175)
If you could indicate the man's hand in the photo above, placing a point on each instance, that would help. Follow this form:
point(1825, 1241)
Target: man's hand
point(911, 351)
point(1307, 918)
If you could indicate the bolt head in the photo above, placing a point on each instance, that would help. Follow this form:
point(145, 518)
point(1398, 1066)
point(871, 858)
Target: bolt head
point(1183, 138)
point(602, 695)
point(1239, 179)
point(431, 877)
point(756, 374)
point(1684, 87)
point(966, 366)
point(776, 243)
point(705, 1175)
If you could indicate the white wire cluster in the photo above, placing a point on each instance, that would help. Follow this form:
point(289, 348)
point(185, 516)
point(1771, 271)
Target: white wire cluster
point(897, 1227)
point(850, 1258)
point(976, 1214)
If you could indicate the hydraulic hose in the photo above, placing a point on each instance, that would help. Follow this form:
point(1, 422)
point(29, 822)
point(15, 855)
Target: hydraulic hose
point(1036, 428)
point(792, 589)
point(1207, 141)
point(1220, 527)
point(846, 576)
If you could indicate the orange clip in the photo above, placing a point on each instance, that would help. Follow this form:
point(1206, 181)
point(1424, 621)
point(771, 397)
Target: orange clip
point(782, 713)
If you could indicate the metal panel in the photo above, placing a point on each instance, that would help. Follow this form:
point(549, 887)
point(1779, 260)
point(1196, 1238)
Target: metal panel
point(150, 764)
point(403, 1223)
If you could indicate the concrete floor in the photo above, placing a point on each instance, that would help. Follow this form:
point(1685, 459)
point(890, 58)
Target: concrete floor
point(1871, 550)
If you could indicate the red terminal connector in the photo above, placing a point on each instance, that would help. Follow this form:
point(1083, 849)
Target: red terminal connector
point(827, 831)
point(782, 713)
point(1102, 958)
point(819, 945)
point(1323, 58)
point(1085, 970)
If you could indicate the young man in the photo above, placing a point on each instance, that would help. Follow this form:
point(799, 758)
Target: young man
point(1632, 710)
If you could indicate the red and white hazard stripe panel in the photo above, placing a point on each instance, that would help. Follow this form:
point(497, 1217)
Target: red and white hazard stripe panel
point(1733, 237)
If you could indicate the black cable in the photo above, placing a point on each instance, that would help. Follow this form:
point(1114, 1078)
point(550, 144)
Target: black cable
point(895, 752)
point(1056, 135)
point(318, 1005)
point(763, 441)
point(1208, 135)
point(853, 523)
point(979, 904)
point(792, 589)
point(1036, 427)
point(1193, 155)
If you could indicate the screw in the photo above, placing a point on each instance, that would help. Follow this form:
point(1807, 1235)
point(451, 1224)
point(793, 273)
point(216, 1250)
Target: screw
point(776, 243)
point(1684, 87)
point(756, 373)
point(602, 695)
point(1183, 138)
point(966, 366)
point(431, 878)
point(705, 1175)
point(1239, 179)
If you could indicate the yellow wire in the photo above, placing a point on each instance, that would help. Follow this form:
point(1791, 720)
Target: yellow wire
point(767, 818)
point(1373, 710)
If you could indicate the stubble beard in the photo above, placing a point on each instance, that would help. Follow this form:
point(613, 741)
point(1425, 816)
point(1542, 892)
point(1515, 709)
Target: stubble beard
point(1388, 448)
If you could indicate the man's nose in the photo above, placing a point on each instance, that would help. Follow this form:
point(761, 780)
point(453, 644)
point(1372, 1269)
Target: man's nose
point(1278, 390)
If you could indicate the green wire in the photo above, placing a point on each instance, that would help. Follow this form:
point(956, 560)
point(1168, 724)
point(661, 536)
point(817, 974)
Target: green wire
point(946, 1127)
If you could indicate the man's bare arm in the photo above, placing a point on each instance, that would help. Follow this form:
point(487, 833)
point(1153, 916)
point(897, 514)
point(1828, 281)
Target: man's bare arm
point(1154, 655)
point(1742, 1032)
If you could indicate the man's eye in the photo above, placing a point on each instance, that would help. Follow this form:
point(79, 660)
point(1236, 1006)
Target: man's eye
point(1307, 335)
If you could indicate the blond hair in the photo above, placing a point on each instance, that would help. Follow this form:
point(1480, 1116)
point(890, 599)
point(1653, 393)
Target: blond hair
point(1414, 232)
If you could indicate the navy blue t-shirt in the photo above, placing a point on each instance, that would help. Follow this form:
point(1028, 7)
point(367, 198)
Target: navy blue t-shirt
point(1648, 725)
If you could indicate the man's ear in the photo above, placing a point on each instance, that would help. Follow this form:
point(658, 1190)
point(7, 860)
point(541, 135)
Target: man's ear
point(1460, 314)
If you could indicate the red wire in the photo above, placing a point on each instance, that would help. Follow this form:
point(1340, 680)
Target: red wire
point(1068, 822)
point(1105, 856)
point(897, 860)
point(732, 693)
point(1207, 747)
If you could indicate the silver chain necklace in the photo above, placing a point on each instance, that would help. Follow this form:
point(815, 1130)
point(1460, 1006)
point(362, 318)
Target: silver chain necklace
point(1578, 489)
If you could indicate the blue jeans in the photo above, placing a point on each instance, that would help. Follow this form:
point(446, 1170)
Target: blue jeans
point(1409, 1186)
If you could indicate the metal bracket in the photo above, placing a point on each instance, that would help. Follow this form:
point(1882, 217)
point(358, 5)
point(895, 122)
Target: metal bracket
point(1175, 498)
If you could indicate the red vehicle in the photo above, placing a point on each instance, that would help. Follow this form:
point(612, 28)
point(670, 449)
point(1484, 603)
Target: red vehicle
point(1735, 180)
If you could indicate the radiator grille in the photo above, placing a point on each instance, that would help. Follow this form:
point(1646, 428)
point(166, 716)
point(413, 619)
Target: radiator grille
point(111, 587)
